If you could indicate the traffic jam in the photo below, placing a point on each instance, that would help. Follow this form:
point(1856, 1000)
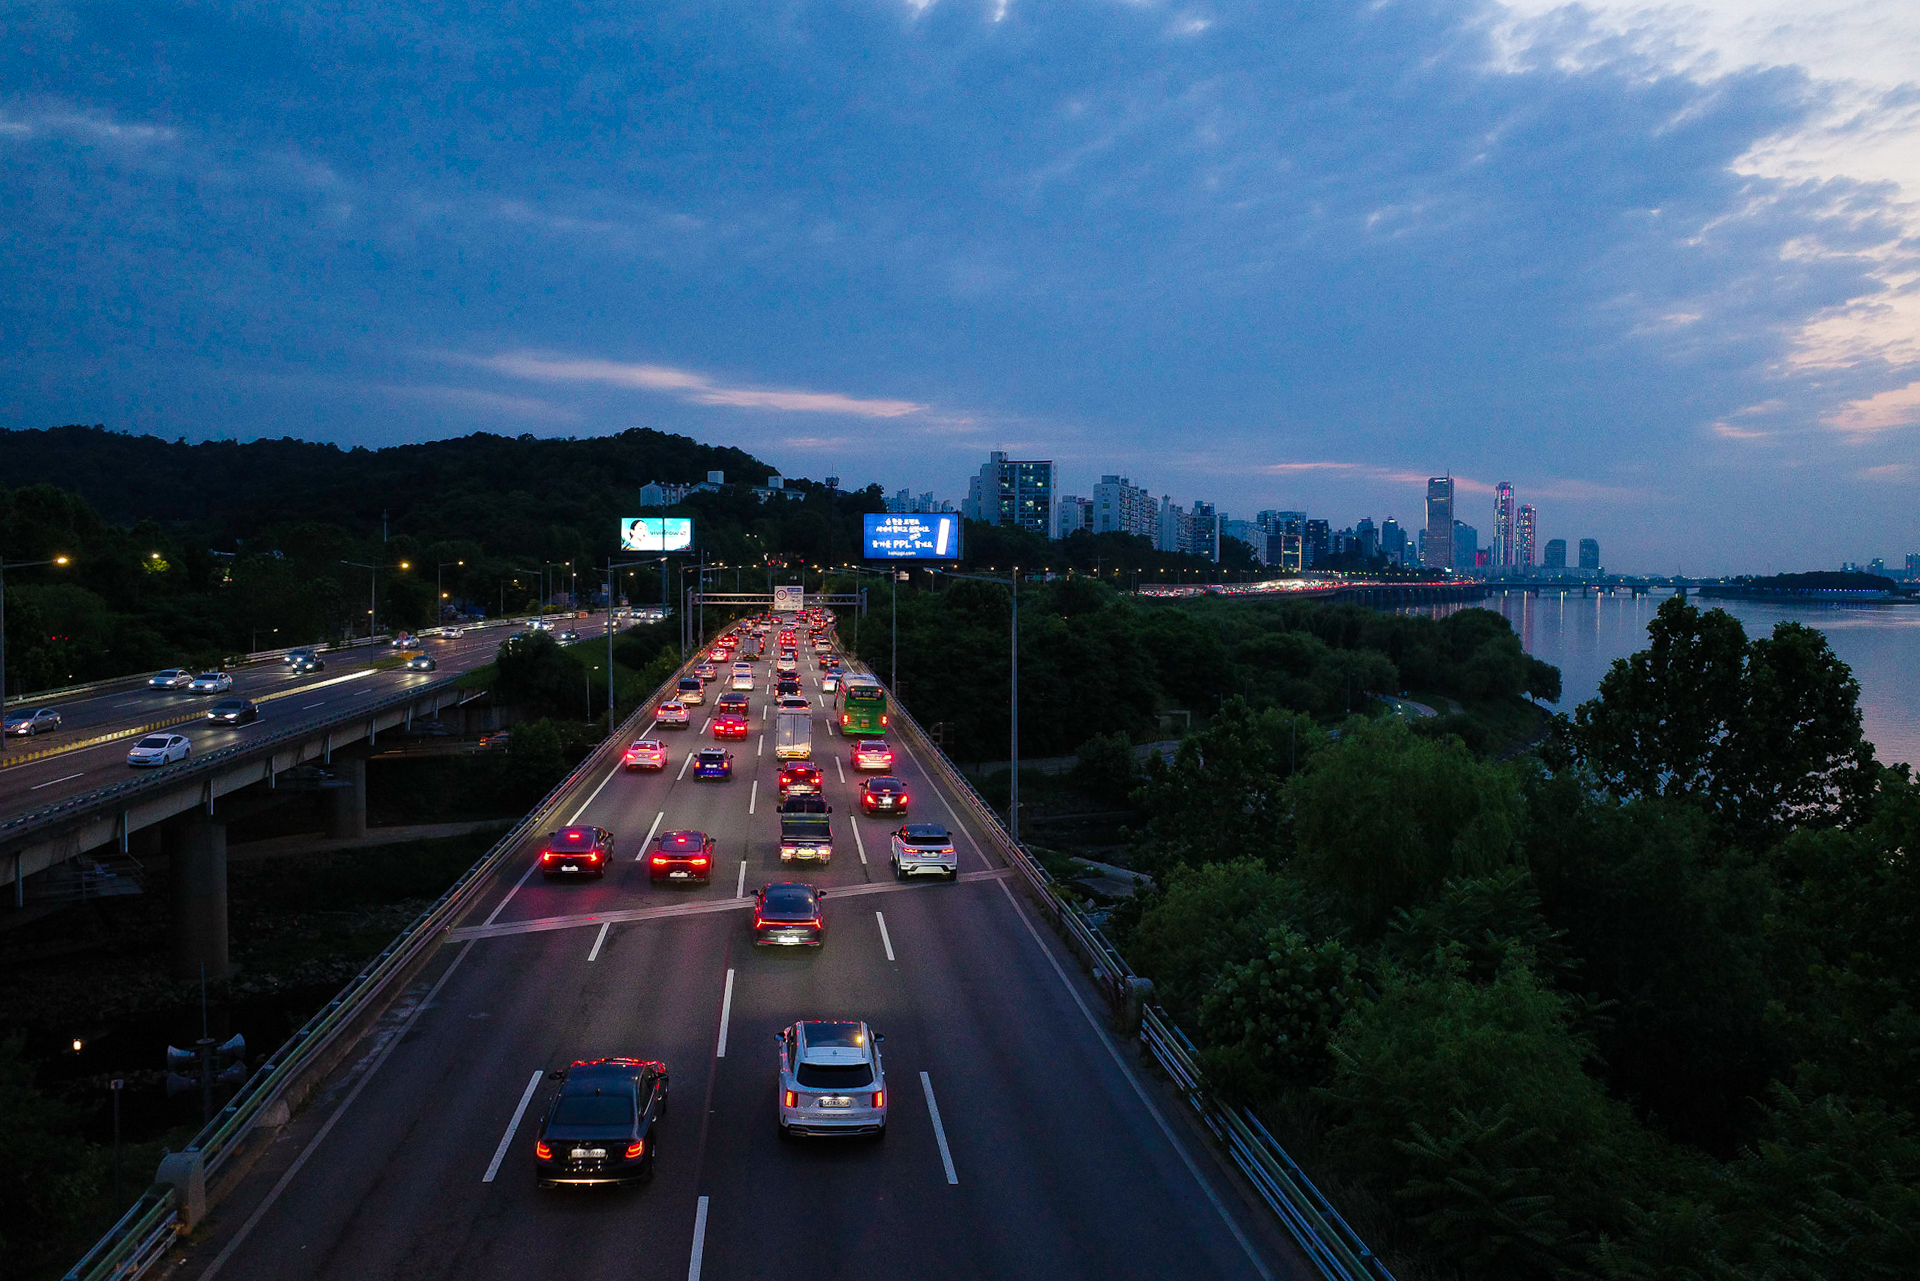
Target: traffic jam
point(828, 1071)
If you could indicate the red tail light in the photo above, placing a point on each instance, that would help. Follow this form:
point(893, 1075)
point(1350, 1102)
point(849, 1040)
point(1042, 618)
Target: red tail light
point(659, 860)
point(793, 1100)
point(699, 862)
point(846, 718)
point(547, 856)
point(879, 1098)
point(635, 1149)
point(543, 1150)
point(593, 857)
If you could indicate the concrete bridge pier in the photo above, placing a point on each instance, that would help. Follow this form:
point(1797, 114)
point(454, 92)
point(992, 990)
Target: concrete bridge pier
point(197, 888)
point(347, 798)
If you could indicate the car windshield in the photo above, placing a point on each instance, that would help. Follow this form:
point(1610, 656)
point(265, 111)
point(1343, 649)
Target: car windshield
point(594, 1109)
point(844, 1035)
point(209, 676)
point(152, 740)
point(834, 1076)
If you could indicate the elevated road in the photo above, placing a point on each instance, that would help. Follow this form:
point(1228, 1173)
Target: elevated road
point(1052, 1155)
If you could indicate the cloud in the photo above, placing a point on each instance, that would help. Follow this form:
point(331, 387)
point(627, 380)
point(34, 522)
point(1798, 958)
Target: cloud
point(493, 402)
point(1728, 431)
point(1888, 411)
point(694, 388)
point(1888, 472)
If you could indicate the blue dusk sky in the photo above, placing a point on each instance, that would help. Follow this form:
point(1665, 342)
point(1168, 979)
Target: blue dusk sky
point(1659, 266)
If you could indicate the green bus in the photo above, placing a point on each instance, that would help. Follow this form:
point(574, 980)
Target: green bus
point(861, 706)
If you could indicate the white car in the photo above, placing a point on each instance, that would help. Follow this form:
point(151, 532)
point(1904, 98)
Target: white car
point(673, 712)
point(743, 681)
point(454, 633)
point(160, 749)
point(172, 678)
point(210, 683)
point(924, 849)
point(831, 1079)
point(794, 703)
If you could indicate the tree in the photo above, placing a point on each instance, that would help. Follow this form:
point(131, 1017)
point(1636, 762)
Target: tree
point(1224, 795)
point(1205, 918)
point(1267, 1019)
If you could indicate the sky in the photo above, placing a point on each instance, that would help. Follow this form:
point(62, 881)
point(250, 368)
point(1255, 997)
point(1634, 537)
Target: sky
point(1656, 265)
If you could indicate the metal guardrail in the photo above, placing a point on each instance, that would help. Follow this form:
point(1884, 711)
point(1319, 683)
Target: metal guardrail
point(1316, 1226)
point(142, 1235)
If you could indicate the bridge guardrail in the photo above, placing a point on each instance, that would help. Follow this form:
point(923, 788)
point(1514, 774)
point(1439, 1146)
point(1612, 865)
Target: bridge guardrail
point(1336, 1251)
point(140, 1238)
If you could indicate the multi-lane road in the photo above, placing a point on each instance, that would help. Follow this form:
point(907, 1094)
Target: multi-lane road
point(1024, 1140)
point(349, 677)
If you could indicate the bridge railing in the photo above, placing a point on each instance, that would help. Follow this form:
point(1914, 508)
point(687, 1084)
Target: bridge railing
point(1334, 1248)
point(142, 1235)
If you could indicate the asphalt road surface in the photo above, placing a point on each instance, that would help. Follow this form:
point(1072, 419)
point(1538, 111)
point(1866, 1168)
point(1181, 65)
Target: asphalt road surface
point(281, 693)
point(1054, 1156)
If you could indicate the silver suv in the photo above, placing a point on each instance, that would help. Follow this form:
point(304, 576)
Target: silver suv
point(924, 848)
point(831, 1079)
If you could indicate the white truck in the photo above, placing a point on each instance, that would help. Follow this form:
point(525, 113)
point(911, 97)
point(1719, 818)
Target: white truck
point(793, 735)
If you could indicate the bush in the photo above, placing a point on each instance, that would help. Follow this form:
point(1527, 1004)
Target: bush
point(1106, 769)
point(1266, 1021)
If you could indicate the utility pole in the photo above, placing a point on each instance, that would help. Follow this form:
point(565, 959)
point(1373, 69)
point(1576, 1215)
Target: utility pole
point(4, 567)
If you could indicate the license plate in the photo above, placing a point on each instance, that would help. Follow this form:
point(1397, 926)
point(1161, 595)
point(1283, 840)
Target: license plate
point(589, 1154)
point(678, 875)
point(838, 1101)
point(569, 867)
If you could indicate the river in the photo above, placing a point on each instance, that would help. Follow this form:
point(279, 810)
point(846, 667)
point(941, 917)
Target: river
point(1583, 636)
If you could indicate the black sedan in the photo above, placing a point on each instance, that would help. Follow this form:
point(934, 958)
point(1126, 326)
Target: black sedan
point(600, 1128)
point(787, 913)
point(234, 711)
point(682, 856)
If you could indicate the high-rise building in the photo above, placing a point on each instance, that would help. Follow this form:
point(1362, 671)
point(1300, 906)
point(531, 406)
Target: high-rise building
point(1590, 554)
point(1248, 532)
point(1555, 556)
point(900, 501)
point(1503, 525)
point(1313, 543)
point(1393, 541)
point(1366, 538)
point(1120, 506)
point(1205, 537)
point(1195, 532)
point(1012, 492)
point(1285, 552)
point(1440, 523)
point(1465, 542)
point(1524, 530)
point(1074, 514)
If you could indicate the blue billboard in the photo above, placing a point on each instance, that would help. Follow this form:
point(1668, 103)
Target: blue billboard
point(913, 536)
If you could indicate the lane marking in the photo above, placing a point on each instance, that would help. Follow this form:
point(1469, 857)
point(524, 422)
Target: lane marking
point(260, 1212)
point(699, 1240)
point(853, 821)
point(310, 706)
point(939, 1131)
point(841, 768)
point(598, 939)
point(726, 1010)
point(683, 766)
point(50, 782)
point(761, 750)
point(754, 796)
point(506, 1140)
point(1100, 1033)
point(958, 826)
point(502, 906)
point(886, 940)
point(740, 889)
point(596, 791)
point(642, 855)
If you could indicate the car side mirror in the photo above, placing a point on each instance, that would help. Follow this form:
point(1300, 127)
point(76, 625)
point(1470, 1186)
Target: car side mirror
point(879, 1037)
point(558, 1074)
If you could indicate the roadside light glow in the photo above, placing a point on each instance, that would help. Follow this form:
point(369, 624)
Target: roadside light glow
point(76, 1045)
point(59, 560)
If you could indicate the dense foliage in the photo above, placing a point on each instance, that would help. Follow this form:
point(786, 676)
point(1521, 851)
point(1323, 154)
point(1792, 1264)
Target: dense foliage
point(1642, 1007)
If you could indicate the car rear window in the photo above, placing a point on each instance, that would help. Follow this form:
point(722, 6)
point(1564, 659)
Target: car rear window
point(834, 1076)
point(788, 903)
point(572, 837)
point(594, 1109)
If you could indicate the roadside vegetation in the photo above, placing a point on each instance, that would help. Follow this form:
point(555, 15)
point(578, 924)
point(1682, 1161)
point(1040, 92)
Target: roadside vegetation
point(1638, 1005)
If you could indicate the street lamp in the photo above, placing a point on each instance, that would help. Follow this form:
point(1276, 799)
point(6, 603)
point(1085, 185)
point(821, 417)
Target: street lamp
point(611, 566)
point(4, 567)
point(373, 591)
point(439, 595)
point(1013, 799)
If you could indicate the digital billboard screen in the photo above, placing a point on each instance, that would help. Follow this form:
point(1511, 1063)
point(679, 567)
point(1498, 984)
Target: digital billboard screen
point(656, 533)
point(913, 536)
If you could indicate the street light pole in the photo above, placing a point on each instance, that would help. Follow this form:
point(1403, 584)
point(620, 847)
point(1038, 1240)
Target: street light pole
point(611, 567)
point(439, 594)
point(4, 567)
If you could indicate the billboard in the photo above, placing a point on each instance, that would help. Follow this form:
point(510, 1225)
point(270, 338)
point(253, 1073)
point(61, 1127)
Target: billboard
point(789, 599)
point(656, 533)
point(912, 536)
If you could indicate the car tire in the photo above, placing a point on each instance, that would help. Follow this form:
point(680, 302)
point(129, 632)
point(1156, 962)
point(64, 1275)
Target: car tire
point(898, 875)
point(953, 874)
point(646, 1166)
point(880, 1134)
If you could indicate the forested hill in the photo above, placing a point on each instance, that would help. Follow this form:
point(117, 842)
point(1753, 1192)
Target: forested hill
point(237, 489)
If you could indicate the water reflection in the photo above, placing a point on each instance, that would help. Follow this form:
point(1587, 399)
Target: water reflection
point(1583, 635)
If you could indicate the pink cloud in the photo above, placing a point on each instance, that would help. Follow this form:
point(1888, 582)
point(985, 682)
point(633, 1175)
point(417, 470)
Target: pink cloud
point(1888, 411)
point(695, 388)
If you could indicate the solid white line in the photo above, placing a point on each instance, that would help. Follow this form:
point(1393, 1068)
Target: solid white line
point(596, 791)
point(506, 1140)
point(699, 1240)
point(740, 889)
point(598, 939)
point(683, 765)
point(843, 769)
point(726, 1009)
point(853, 821)
point(753, 796)
point(50, 782)
point(958, 826)
point(1101, 1034)
point(524, 876)
point(886, 940)
point(641, 856)
point(939, 1131)
point(314, 1145)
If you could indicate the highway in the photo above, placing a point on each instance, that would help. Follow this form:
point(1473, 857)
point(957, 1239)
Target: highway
point(348, 677)
point(1053, 1156)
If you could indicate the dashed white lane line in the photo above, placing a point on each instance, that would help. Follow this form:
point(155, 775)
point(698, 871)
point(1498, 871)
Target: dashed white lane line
point(310, 706)
point(683, 767)
point(699, 1240)
point(753, 797)
point(886, 940)
point(644, 845)
point(740, 888)
point(598, 939)
point(841, 768)
point(853, 821)
point(726, 1011)
point(50, 782)
point(506, 1140)
point(761, 749)
point(939, 1131)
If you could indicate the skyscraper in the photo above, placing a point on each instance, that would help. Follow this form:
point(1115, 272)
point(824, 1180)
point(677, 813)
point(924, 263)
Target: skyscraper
point(1503, 525)
point(1523, 534)
point(1590, 554)
point(1120, 506)
point(1075, 514)
point(1313, 544)
point(1012, 492)
point(1440, 522)
point(1393, 541)
point(1555, 556)
point(1466, 542)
